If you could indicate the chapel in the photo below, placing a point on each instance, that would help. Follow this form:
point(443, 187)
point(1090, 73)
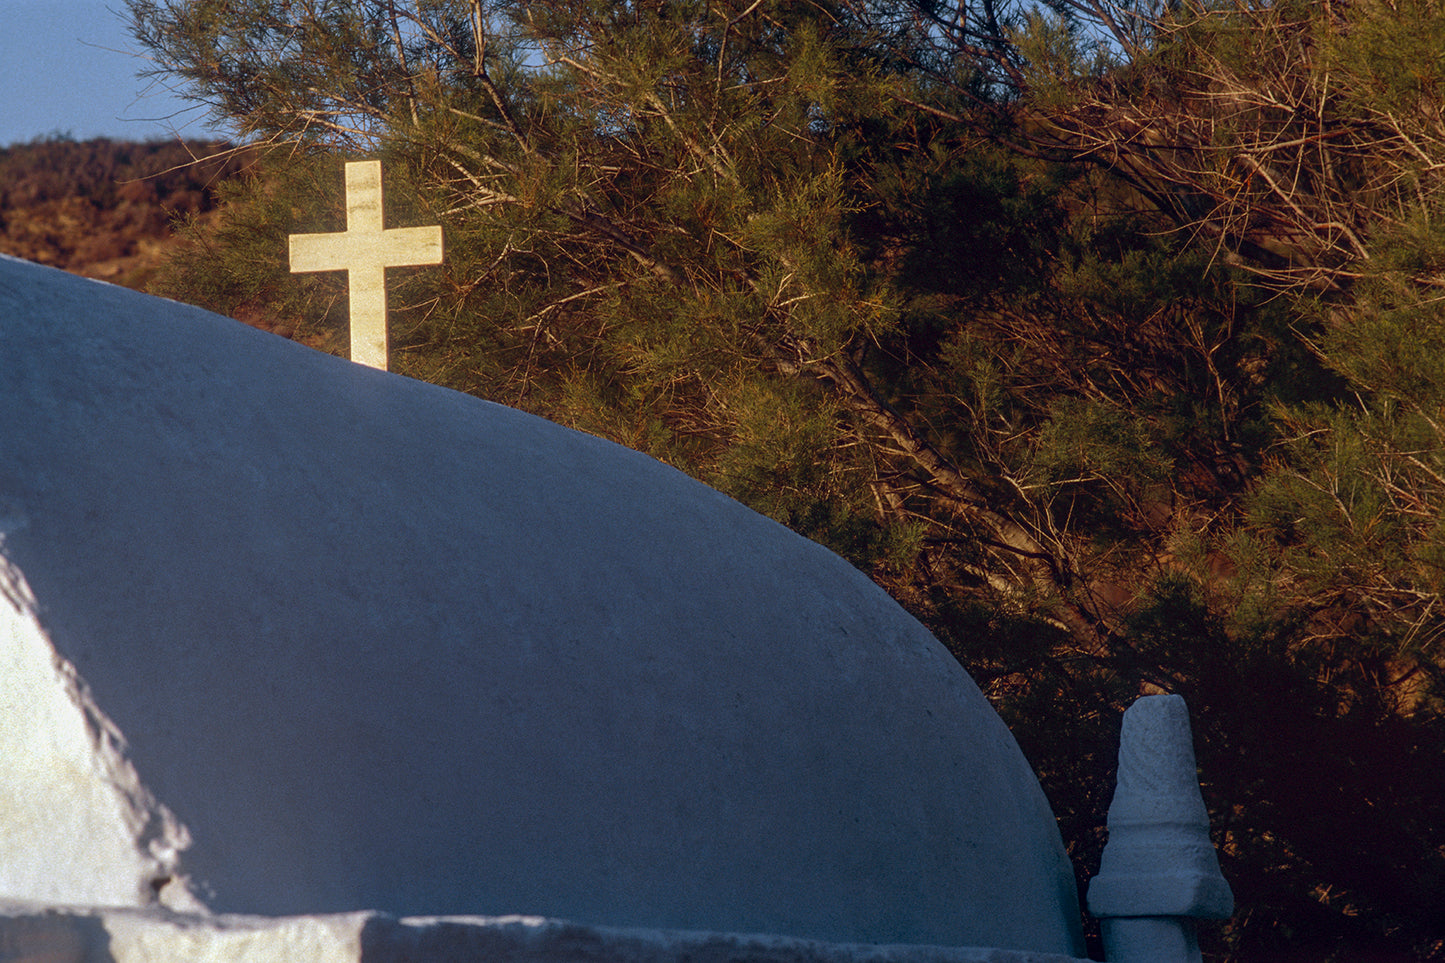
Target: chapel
point(283, 636)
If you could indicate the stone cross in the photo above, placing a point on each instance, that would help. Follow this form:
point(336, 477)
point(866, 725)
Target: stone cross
point(364, 251)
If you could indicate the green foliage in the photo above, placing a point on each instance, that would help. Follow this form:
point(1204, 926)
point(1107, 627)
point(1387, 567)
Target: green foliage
point(1346, 525)
point(1056, 52)
point(1391, 56)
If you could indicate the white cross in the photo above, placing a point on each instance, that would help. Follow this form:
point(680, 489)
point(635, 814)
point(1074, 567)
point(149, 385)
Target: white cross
point(364, 251)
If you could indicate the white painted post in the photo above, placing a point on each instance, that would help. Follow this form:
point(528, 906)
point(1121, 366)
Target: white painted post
point(1159, 872)
point(364, 251)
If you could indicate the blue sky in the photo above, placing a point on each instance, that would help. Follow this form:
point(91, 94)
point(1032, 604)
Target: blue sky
point(69, 66)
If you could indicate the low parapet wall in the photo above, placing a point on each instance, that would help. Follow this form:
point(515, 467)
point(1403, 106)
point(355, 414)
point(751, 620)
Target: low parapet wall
point(40, 934)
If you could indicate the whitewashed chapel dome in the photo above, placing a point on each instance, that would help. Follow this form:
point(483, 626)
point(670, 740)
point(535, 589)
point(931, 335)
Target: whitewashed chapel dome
point(331, 639)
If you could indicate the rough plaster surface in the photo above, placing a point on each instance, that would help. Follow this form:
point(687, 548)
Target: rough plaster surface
point(58, 935)
point(333, 640)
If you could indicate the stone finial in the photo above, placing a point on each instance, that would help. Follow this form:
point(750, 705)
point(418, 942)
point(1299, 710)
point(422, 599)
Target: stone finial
point(1159, 871)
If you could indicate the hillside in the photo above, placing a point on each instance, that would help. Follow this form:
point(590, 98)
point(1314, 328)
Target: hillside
point(104, 208)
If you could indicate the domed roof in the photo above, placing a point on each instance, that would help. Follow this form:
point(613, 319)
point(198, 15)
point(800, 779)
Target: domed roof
point(346, 640)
